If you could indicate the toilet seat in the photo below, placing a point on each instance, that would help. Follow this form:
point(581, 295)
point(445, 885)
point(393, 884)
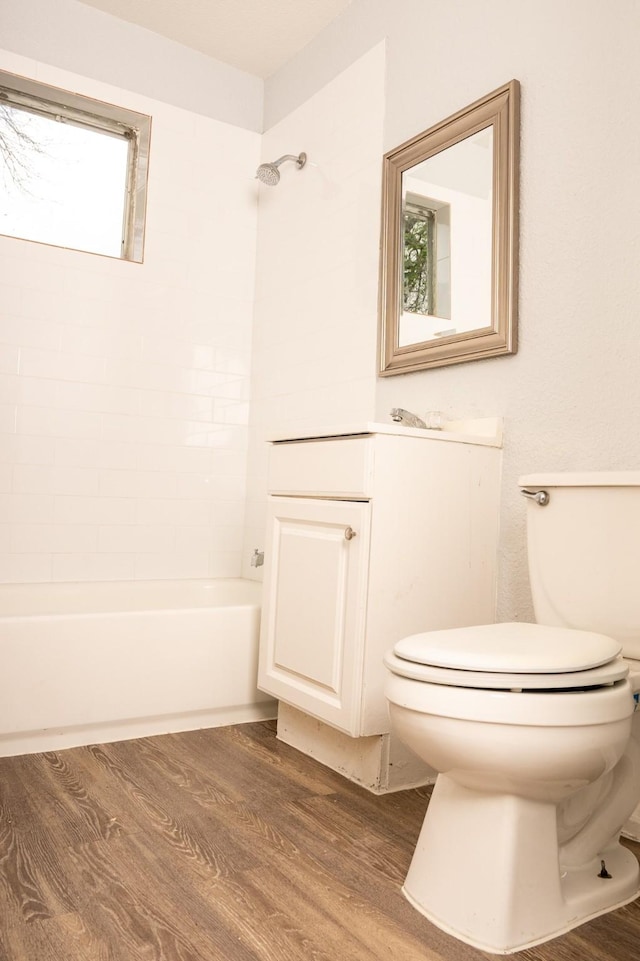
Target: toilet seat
point(511, 656)
point(615, 670)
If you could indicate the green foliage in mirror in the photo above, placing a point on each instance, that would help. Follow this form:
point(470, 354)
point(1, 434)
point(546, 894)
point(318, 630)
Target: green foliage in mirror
point(418, 261)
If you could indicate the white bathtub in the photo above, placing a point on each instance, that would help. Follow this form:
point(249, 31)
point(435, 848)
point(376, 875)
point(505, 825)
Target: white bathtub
point(84, 663)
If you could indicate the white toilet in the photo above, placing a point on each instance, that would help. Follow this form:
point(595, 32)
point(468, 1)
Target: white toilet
point(531, 729)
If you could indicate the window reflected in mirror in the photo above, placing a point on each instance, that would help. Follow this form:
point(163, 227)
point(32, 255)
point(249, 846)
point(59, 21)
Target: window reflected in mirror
point(447, 212)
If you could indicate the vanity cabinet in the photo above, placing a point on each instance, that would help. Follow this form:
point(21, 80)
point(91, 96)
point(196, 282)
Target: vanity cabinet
point(372, 535)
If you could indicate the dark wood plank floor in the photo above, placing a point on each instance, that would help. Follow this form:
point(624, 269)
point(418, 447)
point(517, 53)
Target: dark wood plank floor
point(223, 844)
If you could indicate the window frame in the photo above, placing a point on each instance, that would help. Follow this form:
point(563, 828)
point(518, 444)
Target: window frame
point(74, 108)
point(415, 208)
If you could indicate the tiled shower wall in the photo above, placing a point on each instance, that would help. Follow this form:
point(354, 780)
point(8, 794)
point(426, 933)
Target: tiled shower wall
point(315, 328)
point(124, 388)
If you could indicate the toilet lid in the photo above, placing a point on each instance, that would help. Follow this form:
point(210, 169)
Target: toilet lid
point(511, 648)
point(613, 670)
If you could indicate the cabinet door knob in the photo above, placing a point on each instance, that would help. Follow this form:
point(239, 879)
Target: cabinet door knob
point(349, 534)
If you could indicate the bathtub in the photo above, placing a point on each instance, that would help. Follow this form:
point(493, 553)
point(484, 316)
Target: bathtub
point(86, 663)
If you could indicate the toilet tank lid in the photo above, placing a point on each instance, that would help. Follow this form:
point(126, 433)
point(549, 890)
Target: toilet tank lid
point(510, 648)
point(620, 478)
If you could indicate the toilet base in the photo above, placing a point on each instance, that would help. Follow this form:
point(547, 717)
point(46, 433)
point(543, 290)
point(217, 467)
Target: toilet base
point(485, 870)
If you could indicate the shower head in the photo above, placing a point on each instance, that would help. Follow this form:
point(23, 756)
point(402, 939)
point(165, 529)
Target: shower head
point(269, 174)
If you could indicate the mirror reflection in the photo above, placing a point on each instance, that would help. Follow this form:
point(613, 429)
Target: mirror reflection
point(447, 240)
point(448, 281)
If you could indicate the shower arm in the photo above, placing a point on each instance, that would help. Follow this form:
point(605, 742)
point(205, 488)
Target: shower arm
point(300, 159)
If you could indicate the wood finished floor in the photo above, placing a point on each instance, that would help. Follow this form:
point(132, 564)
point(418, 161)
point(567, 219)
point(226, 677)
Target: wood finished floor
point(223, 844)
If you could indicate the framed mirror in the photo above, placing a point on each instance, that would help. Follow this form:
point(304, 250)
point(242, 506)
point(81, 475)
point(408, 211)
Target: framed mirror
point(449, 251)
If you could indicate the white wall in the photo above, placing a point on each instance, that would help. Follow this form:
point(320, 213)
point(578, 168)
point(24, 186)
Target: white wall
point(124, 387)
point(77, 37)
point(571, 396)
point(316, 281)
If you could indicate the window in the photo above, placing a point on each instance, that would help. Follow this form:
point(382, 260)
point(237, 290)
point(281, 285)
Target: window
point(419, 258)
point(426, 256)
point(73, 171)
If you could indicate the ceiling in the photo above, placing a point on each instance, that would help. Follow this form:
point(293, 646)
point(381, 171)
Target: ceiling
point(257, 36)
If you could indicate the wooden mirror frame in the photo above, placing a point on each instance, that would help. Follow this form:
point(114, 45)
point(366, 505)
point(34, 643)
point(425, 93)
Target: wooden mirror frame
point(500, 110)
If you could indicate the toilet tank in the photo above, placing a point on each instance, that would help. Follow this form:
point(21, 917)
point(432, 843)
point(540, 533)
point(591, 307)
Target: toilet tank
point(584, 553)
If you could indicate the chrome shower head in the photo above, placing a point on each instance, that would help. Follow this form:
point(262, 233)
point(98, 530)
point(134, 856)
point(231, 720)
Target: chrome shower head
point(269, 174)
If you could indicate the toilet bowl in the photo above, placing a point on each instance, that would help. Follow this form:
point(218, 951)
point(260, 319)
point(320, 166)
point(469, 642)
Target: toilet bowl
point(530, 729)
point(533, 731)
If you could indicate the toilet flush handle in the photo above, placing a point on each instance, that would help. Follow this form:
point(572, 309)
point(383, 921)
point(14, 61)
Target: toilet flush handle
point(540, 497)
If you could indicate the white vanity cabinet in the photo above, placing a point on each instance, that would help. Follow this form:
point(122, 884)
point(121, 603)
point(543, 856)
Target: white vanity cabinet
point(372, 535)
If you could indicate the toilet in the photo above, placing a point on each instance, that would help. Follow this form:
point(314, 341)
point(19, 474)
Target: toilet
point(532, 731)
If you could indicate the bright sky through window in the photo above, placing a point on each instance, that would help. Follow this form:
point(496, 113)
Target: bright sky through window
point(72, 187)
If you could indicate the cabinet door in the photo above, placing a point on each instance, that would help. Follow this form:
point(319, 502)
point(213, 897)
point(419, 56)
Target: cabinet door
point(314, 606)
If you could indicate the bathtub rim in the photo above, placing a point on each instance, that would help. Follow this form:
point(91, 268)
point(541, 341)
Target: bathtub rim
point(62, 599)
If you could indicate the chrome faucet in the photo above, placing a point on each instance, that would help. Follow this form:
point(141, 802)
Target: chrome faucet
point(401, 416)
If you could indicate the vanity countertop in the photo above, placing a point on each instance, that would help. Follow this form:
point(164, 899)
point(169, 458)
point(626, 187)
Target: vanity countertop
point(486, 432)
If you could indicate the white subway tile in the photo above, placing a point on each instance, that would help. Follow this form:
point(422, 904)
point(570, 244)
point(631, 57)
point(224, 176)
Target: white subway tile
point(94, 510)
point(38, 392)
point(58, 423)
point(203, 485)
point(62, 366)
point(9, 359)
point(191, 407)
point(148, 376)
point(8, 417)
point(42, 306)
point(137, 538)
point(173, 511)
point(95, 341)
point(228, 438)
point(227, 538)
point(93, 567)
point(45, 479)
point(227, 513)
point(225, 564)
point(75, 480)
point(178, 459)
point(96, 397)
point(53, 538)
point(231, 412)
point(165, 566)
point(192, 539)
point(230, 361)
point(72, 451)
point(33, 479)
point(15, 449)
point(158, 483)
point(28, 332)
point(11, 298)
point(117, 483)
point(9, 388)
point(25, 568)
point(27, 508)
point(6, 472)
point(115, 455)
point(5, 538)
point(162, 350)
